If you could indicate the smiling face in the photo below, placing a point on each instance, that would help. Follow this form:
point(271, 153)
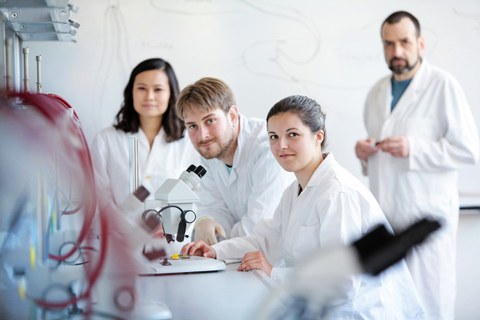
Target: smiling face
point(213, 132)
point(151, 93)
point(403, 48)
point(296, 148)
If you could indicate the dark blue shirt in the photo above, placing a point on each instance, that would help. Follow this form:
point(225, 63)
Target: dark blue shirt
point(398, 88)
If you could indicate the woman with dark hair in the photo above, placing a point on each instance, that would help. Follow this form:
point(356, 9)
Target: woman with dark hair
point(147, 114)
point(326, 206)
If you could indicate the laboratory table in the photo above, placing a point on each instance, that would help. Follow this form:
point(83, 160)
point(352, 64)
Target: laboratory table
point(227, 294)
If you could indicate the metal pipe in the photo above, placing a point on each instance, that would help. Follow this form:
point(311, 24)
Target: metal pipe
point(39, 75)
point(40, 246)
point(8, 63)
point(133, 163)
point(25, 70)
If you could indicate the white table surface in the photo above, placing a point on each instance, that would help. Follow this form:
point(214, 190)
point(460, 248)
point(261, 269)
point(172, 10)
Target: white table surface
point(228, 294)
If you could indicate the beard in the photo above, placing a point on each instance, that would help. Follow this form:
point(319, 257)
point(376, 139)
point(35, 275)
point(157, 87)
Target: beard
point(401, 69)
point(219, 149)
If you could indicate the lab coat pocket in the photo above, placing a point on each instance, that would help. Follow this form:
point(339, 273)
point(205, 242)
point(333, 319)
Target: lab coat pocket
point(434, 205)
point(305, 239)
point(426, 128)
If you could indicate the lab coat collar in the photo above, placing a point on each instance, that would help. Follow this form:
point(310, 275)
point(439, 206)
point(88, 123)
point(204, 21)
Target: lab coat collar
point(242, 137)
point(142, 137)
point(319, 175)
point(418, 82)
point(410, 95)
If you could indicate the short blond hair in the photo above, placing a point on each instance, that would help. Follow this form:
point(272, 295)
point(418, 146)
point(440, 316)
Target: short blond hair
point(206, 94)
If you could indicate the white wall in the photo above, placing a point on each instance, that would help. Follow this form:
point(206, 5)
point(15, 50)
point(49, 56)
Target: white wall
point(266, 50)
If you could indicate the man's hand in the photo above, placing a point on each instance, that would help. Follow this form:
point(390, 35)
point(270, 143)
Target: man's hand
point(198, 248)
point(159, 233)
point(207, 230)
point(365, 148)
point(255, 260)
point(397, 146)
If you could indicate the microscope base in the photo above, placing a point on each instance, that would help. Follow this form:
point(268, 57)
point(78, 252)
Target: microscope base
point(190, 264)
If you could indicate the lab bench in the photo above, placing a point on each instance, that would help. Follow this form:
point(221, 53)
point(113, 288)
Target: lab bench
point(228, 294)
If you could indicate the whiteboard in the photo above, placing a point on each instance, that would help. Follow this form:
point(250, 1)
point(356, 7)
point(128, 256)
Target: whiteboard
point(265, 50)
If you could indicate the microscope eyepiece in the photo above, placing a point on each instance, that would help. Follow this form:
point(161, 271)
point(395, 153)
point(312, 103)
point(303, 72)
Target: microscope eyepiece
point(192, 175)
point(191, 168)
point(200, 171)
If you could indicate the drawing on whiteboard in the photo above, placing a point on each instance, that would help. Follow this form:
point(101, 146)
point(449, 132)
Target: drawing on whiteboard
point(114, 60)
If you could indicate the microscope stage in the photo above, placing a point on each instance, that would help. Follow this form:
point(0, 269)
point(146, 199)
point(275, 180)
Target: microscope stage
point(188, 264)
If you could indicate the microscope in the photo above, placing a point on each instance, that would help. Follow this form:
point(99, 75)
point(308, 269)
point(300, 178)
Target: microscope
point(173, 210)
point(172, 207)
point(171, 213)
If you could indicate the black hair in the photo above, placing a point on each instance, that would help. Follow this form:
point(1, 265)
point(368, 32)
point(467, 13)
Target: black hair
point(399, 15)
point(127, 119)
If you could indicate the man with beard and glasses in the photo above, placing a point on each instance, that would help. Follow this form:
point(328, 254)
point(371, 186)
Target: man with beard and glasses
point(243, 183)
point(420, 131)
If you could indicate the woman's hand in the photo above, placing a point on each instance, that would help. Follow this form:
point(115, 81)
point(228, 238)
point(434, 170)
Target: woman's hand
point(255, 260)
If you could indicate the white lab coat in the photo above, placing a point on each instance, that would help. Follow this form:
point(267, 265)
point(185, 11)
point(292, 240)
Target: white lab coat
point(111, 160)
point(434, 115)
point(334, 209)
point(251, 191)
